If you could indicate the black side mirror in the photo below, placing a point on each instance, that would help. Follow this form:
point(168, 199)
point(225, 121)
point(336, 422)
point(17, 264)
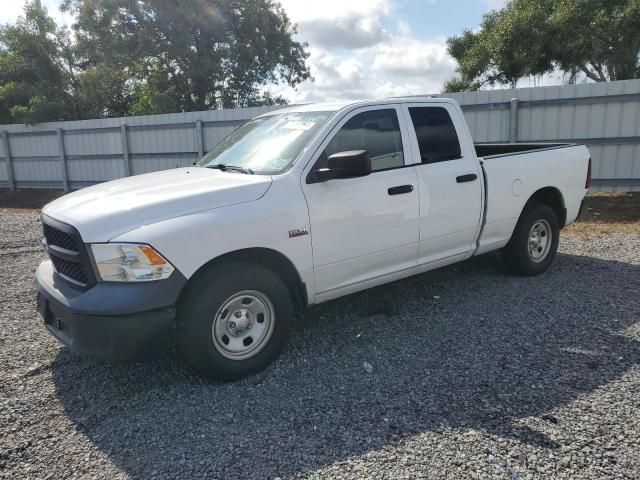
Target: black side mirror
point(350, 164)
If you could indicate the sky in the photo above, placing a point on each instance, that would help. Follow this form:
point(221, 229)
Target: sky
point(363, 48)
point(379, 48)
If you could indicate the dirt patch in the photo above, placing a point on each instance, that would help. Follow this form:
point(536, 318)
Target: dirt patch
point(31, 198)
point(607, 213)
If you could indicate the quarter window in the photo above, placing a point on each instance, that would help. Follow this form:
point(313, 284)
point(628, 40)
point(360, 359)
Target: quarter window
point(437, 136)
point(377, 132)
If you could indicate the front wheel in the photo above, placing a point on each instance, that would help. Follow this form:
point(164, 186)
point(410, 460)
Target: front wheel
point(234, 320)
point(534, 243)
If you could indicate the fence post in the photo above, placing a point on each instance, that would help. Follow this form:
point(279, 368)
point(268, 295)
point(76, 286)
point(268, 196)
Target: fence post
point(124, 135)
point(63, 159)
point(199, 139)
point(7, 156)
point(513, 121)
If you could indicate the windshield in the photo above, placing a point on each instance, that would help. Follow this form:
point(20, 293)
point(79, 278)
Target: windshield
point(268, 144)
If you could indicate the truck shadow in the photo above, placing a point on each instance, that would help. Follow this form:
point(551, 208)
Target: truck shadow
point(464, 347)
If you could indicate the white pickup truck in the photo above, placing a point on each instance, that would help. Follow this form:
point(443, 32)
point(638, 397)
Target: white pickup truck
point(296, 207)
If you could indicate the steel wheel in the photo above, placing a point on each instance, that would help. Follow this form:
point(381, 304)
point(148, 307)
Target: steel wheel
point(243, 325)
point(540, 241)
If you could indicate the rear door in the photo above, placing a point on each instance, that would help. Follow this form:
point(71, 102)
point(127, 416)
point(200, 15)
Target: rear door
point(449, 179)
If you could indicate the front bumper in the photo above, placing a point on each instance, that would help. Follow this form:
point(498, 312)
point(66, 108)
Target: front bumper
point(121, 322)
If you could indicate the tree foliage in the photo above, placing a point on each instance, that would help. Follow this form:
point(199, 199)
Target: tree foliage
point(133, 57)
point(33, 78)
point(599, 39)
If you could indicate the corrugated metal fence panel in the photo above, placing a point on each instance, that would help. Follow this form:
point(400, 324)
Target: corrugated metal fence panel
point(486, 122)
point(80, 143)
point(604, 116)
point(145, 164)
point(45, 172)
point(607, 127)
point(3, 165)
point(212, 134)
point(171, 139)
point(34, 158)
point(94, 150)
point(94, 170)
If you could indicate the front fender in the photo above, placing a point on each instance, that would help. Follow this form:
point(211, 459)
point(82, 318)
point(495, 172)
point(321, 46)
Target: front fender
point(193, 240)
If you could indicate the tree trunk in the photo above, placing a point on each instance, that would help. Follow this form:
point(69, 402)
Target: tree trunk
point(595, 76)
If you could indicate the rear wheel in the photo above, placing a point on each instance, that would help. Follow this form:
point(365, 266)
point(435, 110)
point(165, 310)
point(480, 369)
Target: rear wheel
point(534, 243)
point(234, 320)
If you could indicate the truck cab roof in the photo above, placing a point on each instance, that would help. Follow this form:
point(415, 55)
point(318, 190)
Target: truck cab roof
point(337, 106)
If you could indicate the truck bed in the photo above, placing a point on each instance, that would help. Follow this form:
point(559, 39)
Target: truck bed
point(514, 172)
point(488, 150)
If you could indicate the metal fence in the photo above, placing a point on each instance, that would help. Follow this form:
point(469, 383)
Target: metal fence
point(79, 153)
point(71, 155)
point(604, 116)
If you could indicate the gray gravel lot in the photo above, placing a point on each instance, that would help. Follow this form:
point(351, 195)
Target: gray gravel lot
point(470, 374)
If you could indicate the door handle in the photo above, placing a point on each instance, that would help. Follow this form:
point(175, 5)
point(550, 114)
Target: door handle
point(466, 178)
point(399, 190)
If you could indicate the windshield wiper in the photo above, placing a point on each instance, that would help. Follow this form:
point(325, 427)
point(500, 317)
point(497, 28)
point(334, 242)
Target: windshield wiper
point(233, 168)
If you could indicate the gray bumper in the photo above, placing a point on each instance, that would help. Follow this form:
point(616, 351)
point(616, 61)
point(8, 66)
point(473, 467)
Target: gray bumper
point(125, 322)
point(582, 207)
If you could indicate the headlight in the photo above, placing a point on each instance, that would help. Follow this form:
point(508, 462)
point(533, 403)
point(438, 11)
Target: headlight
point(129, 262)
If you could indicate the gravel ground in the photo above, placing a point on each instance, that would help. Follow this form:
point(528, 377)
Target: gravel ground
point(464, 372)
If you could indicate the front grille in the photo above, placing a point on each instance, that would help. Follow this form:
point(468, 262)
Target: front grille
point(68, 252)
point(74, 271)
point(59, 238)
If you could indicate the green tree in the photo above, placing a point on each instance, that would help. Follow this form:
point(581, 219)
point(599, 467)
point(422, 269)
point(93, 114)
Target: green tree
point(192, 54)
point(34, 78)
point(134, 57)
point(599, 39)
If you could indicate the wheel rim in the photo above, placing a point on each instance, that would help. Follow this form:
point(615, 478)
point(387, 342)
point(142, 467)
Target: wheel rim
point(539, 243)
point(243, 325)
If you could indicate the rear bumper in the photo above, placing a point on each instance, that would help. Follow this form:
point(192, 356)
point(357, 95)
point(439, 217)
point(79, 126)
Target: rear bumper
point(582, 206)
point(121, 322)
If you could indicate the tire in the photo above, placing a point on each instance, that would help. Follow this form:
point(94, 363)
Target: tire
point(539, 225)
point(258, 307)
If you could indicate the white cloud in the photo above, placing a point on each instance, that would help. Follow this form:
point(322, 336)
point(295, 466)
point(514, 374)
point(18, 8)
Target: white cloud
point(495, 4)
point(340, 23)
point(335, 78)
point(405, 57)
point(349, 32)
point(12, 9)
point(393, 89)
point(364, 49)
point(302, 10)
point(400, 66)
point(403, 27)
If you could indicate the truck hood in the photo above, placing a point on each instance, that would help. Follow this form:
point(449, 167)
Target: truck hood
point(107, 210)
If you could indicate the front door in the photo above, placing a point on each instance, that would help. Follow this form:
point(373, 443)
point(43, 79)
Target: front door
point(365, 228)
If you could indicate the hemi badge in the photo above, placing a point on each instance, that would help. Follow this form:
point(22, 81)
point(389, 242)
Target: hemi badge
point(298, 232)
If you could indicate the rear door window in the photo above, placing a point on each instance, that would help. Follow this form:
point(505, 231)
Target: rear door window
point(437, 136)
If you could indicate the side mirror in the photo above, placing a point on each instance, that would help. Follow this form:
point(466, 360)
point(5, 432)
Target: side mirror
point(350, 164)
